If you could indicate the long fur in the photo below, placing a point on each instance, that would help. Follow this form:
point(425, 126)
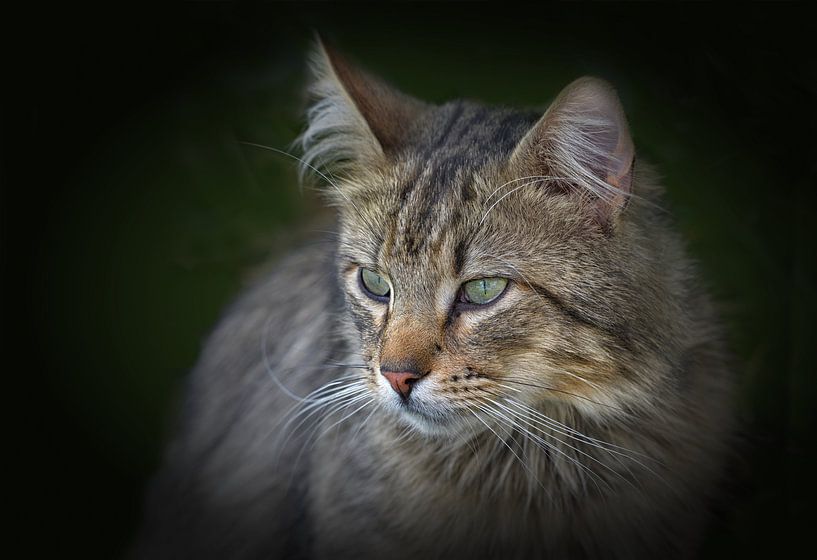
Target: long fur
point(336, 134)
point(585, 413)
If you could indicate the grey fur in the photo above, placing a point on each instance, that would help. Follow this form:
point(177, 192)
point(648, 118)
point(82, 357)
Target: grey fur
point(585, 413)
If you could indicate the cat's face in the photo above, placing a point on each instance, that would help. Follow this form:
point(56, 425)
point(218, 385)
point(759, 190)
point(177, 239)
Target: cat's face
point(412, 258)
point(484, 253)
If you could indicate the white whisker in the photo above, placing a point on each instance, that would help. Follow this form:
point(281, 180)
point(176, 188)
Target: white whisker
point(574, 448)
point(317, 404)
point(540, 441)
point(307, 164)
point(349, 415)
point(503, 197)
point(618, 452)
point(518, 458)
point(503, 185)
point(317, 431)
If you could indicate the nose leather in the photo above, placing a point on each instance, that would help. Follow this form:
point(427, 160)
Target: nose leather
point(401, 381)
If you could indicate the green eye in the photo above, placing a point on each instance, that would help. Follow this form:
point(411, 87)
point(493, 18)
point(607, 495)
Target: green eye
point(482, 291)
point(374, 284)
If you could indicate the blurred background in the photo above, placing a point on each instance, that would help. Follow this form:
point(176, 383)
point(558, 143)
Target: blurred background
point(132, 213)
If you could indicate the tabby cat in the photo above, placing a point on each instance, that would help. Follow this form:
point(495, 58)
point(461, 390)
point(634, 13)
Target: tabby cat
point(504, 352)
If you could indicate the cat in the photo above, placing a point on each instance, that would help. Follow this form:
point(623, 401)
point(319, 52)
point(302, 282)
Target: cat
point(504, 351)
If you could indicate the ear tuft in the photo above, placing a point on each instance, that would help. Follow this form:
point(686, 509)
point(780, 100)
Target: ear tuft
point(354, 119)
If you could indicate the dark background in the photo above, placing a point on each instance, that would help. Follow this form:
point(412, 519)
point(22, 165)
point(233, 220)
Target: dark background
point(131, 213)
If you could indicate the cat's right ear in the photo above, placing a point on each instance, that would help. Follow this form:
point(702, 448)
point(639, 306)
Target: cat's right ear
point(354, 120)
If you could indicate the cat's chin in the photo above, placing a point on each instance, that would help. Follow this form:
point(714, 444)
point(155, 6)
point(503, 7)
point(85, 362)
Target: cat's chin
point(433, 426)
point(425, 425)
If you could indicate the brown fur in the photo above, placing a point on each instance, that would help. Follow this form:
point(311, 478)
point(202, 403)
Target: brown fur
point(586, 412)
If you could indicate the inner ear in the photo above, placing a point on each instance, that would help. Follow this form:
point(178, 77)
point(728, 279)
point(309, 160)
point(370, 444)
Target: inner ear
point(583, 141)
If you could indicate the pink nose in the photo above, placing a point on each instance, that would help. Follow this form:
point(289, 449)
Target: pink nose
point(401, 381)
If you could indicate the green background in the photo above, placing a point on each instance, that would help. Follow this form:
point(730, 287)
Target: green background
point(132, 214)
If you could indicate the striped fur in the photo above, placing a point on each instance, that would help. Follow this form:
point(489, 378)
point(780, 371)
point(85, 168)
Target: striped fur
point(585, 413)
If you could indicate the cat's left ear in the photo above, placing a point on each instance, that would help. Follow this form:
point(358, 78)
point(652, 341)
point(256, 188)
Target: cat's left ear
point(583, 142)
point(355, 119)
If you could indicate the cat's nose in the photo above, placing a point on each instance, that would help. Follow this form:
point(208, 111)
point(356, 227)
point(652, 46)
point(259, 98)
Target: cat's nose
point(401, 381)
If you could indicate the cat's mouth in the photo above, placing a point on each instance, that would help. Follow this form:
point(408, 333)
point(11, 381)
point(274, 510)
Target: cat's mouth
point(420, 408)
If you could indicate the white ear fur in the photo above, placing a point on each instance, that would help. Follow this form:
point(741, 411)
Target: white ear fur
point(355, 119)
point(583, 139)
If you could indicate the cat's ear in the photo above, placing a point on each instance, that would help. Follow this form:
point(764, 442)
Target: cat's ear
point(584, 143)
point(354, 119)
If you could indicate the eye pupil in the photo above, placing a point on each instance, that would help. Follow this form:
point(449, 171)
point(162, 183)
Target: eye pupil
point(483, 290)
point(374, 285)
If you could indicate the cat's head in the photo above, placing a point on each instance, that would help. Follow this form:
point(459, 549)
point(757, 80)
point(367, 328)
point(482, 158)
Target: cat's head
point(489, 257)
